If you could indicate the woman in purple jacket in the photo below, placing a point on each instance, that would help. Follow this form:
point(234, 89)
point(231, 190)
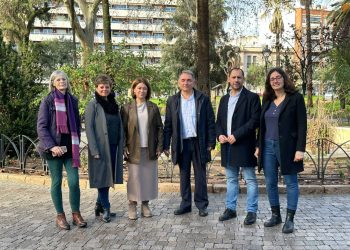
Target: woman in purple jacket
point(58, 129)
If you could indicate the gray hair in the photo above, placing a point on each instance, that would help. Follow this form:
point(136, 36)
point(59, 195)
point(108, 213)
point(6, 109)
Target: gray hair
point(54, 75)
point(187, 71)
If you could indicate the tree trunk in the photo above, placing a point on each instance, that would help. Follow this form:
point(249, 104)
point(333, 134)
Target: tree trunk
point(308, 55)
point(86, 35)
point(107, 33)
point(278, 50)
point(203, 46)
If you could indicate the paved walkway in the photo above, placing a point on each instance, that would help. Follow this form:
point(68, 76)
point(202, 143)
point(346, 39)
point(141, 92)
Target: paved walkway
point(27, 222)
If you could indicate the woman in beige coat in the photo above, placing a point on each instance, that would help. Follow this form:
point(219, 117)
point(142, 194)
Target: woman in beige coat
point(143, 131)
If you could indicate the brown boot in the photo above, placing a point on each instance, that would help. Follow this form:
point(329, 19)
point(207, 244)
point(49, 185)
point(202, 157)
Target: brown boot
point(61, 222)
point(132, 210)
point(145, 210)
point(78, 220)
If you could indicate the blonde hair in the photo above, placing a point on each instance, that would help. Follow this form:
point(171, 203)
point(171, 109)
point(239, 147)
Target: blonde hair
point(54, 75)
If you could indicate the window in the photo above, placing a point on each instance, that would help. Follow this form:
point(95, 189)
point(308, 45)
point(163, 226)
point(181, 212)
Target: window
point(99, 33)
point(36, 31)
point(169, 9)
point(158, 35)
point(249, 61)
point(47, 31)
point(119, 7)
point(254, 60)
point(118, 34)
point(146, 35)
point(133, 34)
point(61, 31)
point(157, 21)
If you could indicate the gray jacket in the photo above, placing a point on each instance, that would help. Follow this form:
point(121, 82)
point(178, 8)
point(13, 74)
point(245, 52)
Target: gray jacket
point(100, 170)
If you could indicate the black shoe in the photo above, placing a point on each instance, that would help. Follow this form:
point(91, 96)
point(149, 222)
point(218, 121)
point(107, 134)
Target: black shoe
point(203, 212)
point(250, 218)
point(181, 210)
point(228, 214)
point(99, 209)
point(106, 217)
point(275, 217)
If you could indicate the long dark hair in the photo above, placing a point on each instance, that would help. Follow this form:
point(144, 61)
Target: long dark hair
point(289, 88)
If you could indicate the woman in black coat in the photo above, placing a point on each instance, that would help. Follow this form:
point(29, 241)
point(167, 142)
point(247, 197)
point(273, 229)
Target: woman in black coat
point(282, 139)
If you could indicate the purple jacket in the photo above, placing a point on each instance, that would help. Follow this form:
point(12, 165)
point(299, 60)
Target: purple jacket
point(46, 124)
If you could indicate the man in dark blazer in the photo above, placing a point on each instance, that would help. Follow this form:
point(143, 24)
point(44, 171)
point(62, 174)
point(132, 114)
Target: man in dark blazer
point(237, 121)
point(189, 128)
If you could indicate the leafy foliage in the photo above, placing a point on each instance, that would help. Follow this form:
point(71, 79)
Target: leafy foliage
point(17, 19)
point(181, 32)
point(256, 75)
point(53, 54)
point(123, 66)
point(20, 78)
point(340, 19)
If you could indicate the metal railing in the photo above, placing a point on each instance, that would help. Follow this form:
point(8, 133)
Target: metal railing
point(19, 153)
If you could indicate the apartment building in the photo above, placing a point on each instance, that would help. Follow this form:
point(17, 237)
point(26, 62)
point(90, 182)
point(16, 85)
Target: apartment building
point(318, 22)
point(137, 23)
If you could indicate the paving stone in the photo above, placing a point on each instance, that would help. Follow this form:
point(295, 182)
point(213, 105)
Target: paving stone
point(27, 221)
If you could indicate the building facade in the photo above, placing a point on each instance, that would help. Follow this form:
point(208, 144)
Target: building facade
point(137, 23)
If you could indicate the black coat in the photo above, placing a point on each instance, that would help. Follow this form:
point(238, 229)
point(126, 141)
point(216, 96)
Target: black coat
point(291, 131)
point(245, 121)
point(205, 126)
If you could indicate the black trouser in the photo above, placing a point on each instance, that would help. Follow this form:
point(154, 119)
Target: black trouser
point(190, 153)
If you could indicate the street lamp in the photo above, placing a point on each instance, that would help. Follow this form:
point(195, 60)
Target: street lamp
point(266, 54)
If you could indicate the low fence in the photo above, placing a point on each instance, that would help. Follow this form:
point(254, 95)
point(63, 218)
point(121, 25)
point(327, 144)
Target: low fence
point(325, 160)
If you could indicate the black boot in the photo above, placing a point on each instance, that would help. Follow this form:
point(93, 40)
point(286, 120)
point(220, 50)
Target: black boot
point(106, 217)
point(275, 218)
point(288, 226)
point(98, 209)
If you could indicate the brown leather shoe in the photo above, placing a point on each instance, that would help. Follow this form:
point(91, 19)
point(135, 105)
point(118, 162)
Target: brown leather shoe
point(61, 222)
point(78, 220)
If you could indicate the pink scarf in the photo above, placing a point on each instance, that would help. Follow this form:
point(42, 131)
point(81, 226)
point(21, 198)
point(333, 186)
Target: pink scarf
point(61, 122)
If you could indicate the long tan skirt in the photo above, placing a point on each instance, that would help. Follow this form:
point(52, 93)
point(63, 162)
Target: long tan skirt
point(143, 179)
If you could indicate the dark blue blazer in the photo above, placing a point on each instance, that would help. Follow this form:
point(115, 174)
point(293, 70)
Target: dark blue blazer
point(245, 121)
point(205, 126)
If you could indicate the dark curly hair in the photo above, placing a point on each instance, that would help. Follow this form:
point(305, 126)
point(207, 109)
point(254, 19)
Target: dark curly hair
point(289, 88)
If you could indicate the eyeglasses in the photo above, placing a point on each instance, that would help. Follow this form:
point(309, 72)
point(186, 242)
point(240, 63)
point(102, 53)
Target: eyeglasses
point(275, 78)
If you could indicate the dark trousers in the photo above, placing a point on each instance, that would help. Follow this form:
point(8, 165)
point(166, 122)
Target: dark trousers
point(191, 153)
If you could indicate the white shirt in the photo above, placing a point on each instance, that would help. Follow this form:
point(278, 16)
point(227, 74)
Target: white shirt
point(230, 109)
point(188, 115)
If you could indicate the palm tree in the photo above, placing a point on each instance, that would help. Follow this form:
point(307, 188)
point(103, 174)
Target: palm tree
point(276, 25)
point(203, 46)
point(309, 87)
point(340, 19)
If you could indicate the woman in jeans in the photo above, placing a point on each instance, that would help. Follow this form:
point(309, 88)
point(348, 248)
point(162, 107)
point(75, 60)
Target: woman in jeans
point(58, 129)
point(104, 132)
point(282, 139)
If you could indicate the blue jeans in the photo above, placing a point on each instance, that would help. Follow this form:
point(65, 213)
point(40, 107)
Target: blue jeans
point(271, 161)
point(232, 174)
